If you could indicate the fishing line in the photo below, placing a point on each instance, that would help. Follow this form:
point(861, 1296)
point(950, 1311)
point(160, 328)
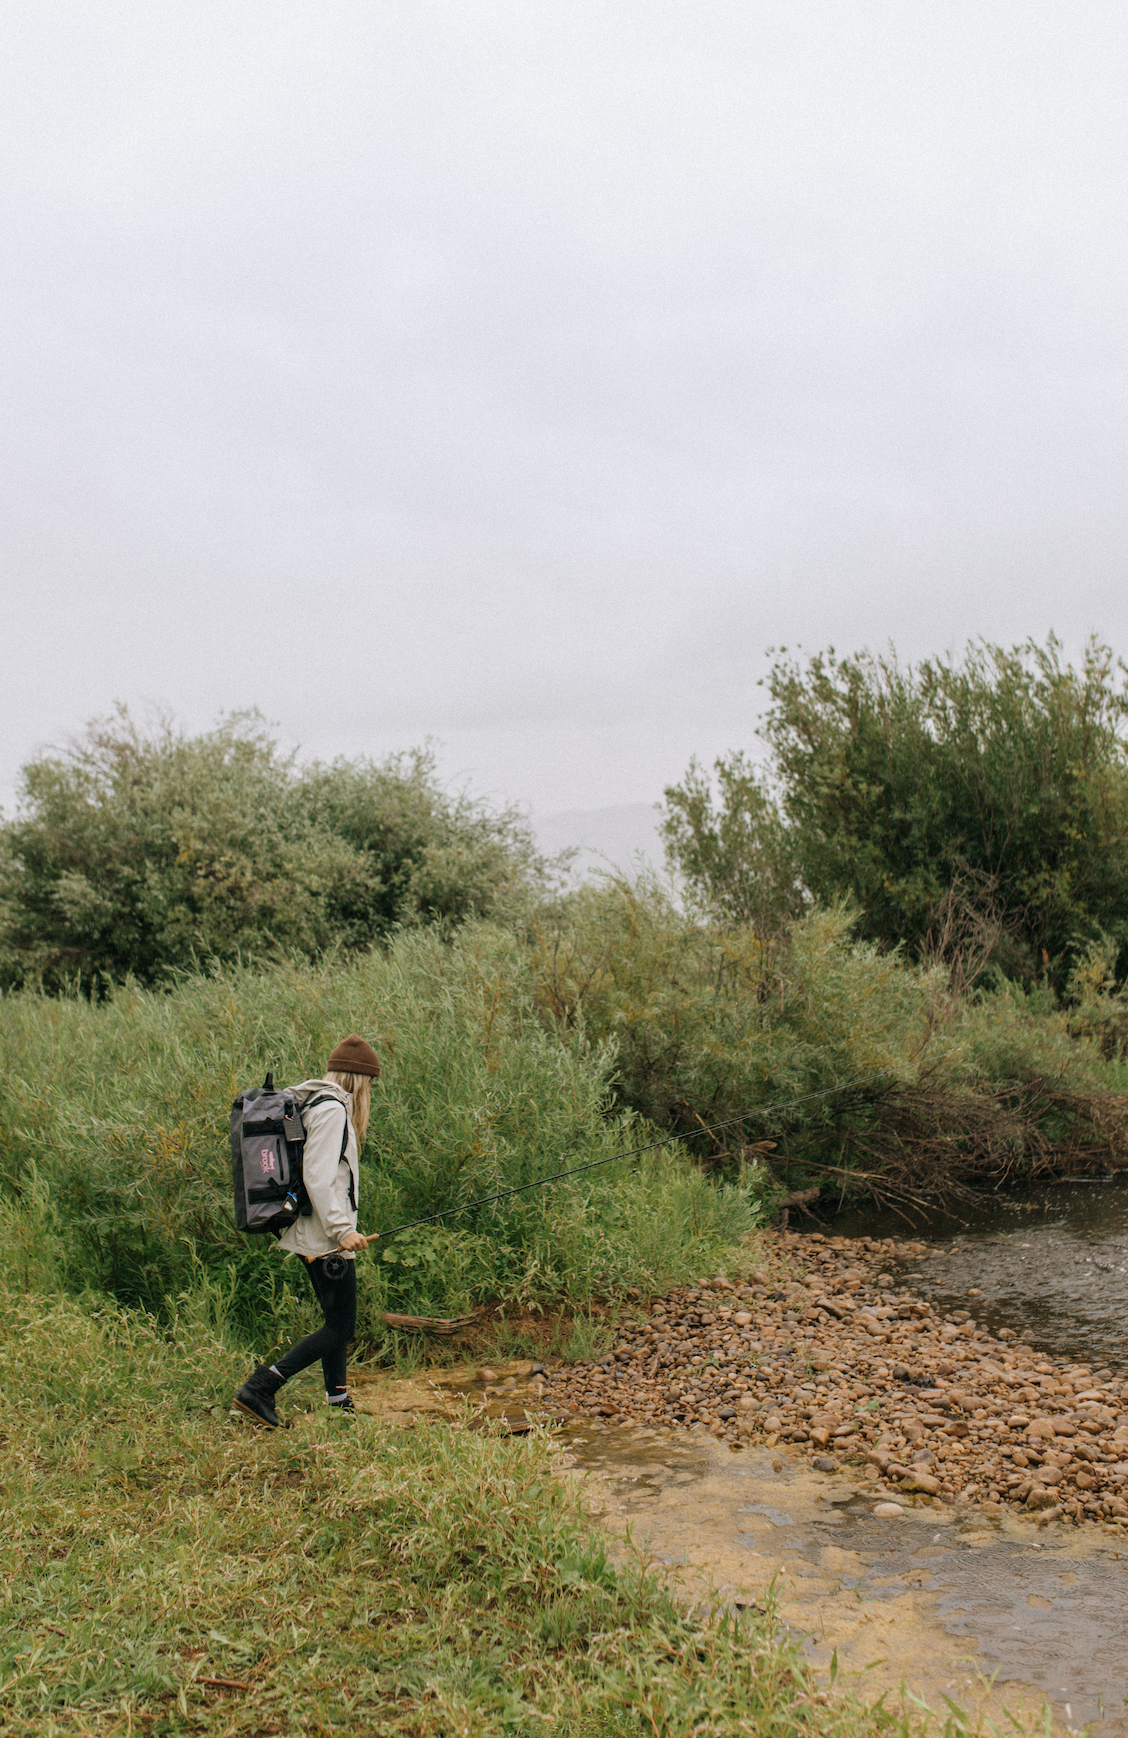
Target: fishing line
point(631, 1153)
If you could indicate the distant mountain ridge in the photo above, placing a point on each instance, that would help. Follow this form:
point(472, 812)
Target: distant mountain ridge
point(612, 838)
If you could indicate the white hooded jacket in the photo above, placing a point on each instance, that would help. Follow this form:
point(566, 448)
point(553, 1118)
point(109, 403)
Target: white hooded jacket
point(326, 1173)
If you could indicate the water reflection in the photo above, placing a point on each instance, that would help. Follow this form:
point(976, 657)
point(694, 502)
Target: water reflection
point(1051, 1263)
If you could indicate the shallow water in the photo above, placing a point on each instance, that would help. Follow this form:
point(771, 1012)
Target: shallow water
point(940, 1600)
point(1051, 1263)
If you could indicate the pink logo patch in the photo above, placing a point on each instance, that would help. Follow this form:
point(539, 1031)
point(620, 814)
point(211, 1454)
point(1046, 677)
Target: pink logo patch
point(269, 1162)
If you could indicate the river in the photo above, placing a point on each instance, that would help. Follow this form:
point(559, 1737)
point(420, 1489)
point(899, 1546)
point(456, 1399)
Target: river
point(1050, 1262)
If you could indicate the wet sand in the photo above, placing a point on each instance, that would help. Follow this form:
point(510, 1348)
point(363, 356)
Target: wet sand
point(936, 1601)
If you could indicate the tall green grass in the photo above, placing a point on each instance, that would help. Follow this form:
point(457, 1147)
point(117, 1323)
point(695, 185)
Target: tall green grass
point(113, 1120)
point(707, 1021)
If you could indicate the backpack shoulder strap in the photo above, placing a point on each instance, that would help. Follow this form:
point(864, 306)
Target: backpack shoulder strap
point(327, 1098)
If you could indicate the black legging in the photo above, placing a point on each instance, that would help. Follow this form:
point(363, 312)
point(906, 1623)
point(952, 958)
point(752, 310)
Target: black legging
point(337, 1298)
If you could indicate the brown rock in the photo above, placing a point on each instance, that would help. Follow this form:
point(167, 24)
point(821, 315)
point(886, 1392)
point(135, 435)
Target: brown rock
point(915, 1480)
point(692, 1325)
point(1041, 1498)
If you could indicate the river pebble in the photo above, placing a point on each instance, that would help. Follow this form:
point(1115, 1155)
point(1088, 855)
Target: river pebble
point(838, 1361)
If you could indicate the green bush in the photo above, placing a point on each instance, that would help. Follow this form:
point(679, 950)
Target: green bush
point(119, 1111)
point(861, 1066)
point(1002, 775)
point(732, 849)
point(1097, 1002)
point(708, 1021)
point(143, 856)
point(1007, 1035)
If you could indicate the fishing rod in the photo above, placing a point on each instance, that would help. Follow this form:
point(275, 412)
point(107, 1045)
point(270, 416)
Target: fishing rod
point(631, 1153)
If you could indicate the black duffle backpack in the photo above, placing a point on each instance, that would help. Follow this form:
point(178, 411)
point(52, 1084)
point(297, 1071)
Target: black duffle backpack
point(267, 1141)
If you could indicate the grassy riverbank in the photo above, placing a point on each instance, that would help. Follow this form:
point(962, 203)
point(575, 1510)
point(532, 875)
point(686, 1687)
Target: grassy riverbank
point(510, 1056)
point(113, 1120)
point(169, 1570)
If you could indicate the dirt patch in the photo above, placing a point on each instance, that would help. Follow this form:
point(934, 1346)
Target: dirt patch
point(512, 1396)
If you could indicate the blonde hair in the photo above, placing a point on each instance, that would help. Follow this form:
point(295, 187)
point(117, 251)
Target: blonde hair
point(359, 1088)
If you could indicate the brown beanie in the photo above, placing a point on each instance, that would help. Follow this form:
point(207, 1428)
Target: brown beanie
point(354, 1056)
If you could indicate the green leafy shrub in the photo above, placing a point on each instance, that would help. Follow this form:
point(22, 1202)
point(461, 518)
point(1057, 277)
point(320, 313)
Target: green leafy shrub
point(709, 1021)
point(866, 1070)
point(1004, 773)
point(143, 856)
point(732, 849)
point(1097, 1002)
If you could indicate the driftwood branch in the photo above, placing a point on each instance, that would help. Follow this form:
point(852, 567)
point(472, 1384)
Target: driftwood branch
point(442, 1326)
point(926, 1143)
point(800, 1197)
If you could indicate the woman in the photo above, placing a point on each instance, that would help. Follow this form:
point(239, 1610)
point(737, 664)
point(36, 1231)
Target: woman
point(335, 1122)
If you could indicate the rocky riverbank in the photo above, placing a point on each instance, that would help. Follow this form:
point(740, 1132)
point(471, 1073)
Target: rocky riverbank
point(832, 1355)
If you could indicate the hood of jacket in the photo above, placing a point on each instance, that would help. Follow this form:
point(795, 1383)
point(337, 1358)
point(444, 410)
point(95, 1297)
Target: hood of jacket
point(322, 1089)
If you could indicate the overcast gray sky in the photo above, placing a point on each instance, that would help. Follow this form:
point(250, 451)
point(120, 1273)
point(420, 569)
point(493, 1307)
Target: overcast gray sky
point(517, 374)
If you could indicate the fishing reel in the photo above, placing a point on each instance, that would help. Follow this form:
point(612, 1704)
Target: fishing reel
point(334, 1266)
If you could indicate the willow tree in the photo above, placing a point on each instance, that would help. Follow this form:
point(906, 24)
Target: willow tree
point(997, 781)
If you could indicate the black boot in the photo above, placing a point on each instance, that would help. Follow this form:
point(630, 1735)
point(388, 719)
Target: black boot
point(341, 1401)
point(256, 1397)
